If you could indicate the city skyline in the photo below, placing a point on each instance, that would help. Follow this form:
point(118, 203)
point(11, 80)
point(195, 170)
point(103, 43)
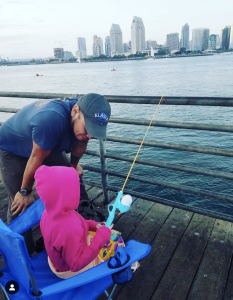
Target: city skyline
point(48, 26)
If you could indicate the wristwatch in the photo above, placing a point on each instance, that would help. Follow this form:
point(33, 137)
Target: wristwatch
point(25, 192)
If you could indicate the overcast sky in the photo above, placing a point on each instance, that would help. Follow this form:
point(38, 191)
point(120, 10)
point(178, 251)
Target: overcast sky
point(32, 28)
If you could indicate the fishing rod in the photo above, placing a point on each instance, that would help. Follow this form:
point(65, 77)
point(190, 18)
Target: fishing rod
point(123, 203)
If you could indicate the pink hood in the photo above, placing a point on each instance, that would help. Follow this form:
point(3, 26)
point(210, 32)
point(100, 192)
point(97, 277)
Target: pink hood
point(64, 230)
point(59, 189)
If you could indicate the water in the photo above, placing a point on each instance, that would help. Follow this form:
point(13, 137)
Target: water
point(196, 76)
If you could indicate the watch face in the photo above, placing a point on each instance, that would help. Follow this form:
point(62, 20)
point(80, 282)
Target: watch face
point(23, 192)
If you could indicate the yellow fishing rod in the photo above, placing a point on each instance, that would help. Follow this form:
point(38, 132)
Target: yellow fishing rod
point(124, 204)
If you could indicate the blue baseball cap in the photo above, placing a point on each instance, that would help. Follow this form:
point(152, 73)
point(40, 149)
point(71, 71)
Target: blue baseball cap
point(96, 111)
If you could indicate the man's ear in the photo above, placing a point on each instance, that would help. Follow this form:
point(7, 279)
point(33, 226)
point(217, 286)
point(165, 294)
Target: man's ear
point(75, 110)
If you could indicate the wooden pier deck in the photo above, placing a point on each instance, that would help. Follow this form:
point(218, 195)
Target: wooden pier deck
point(191, 256)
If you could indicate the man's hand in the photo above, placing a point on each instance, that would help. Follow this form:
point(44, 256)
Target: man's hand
point(79, 170)
point(21, 203)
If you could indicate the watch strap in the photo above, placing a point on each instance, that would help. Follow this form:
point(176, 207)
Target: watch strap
point(25, 192)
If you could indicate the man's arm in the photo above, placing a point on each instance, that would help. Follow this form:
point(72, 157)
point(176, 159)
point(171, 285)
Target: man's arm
point(76, 153)
point(34, 162)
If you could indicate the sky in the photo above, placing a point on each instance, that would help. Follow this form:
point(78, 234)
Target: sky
point(32, 28)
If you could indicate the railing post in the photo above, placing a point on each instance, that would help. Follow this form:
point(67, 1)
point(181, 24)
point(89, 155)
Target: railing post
point(104, 175)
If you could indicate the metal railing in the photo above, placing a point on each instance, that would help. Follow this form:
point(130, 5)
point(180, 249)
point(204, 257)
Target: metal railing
point(206, 101)
point(103, 170)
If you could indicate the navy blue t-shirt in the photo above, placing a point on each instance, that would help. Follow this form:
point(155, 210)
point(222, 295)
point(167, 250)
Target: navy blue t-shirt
point(46, 122)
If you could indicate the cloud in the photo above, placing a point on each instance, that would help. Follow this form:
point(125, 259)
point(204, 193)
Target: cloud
point(18, 2)
point(38, 20)
point(14, 38)
point(12, 25)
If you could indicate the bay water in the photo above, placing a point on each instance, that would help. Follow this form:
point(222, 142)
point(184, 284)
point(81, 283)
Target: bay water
point(194, 76)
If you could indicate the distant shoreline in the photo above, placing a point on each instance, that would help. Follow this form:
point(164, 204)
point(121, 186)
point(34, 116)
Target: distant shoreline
point(123, 59)
point(180, 56)
point(109, 60)
point(144, 58)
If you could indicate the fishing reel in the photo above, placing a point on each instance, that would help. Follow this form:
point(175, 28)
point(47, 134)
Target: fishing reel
point(122, 203)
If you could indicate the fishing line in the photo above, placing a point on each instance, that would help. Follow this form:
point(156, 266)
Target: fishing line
point(141, 144)
point(123, 203)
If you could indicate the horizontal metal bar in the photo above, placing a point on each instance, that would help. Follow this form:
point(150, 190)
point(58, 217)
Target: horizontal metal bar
point(168, 100)
point(8, 110)
point(164, 201)
point(180, 125)
point(37, 95)
point(161, 164)
point(178, 187)
point(180, 147)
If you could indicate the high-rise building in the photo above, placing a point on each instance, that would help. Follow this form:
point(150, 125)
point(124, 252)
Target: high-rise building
point(231, 38)
point(68, 55)
point(190, 44)
point(200, 39)
point(98, 47)
point(116, 40)
point(81, 43)
point(153, 44)
point(218, 42)
point(58, 52)
point(107, 46)
point(137, 35)
point(213, 42)
point(173, 41)
point(130, 46)
point(82, 51)
point(225, 37)
point(126, 48)
point(185, 36)
point(148, 44)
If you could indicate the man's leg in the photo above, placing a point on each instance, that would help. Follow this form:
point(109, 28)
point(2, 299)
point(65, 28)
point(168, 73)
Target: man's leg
point(12, 169)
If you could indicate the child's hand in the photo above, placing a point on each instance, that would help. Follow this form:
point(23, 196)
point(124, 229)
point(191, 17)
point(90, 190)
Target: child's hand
point(98, 225)
point(103, 224)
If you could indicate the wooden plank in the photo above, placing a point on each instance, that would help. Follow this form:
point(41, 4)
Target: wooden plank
point(3, 195)
point(2, 186)
point(3, 201)
point(127, 223)
point(178, 278)
point(228, 295)
point(93, 193)
point(154, 265)
point(2, 263)
point(87, 187)
point(3, 213)
point(99, 201)
point(211, 277)
point(151, 223)
point(36, 233)
point(145, 232)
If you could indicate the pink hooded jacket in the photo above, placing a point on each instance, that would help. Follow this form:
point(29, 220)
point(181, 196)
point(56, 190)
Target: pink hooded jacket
point(64, 230)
